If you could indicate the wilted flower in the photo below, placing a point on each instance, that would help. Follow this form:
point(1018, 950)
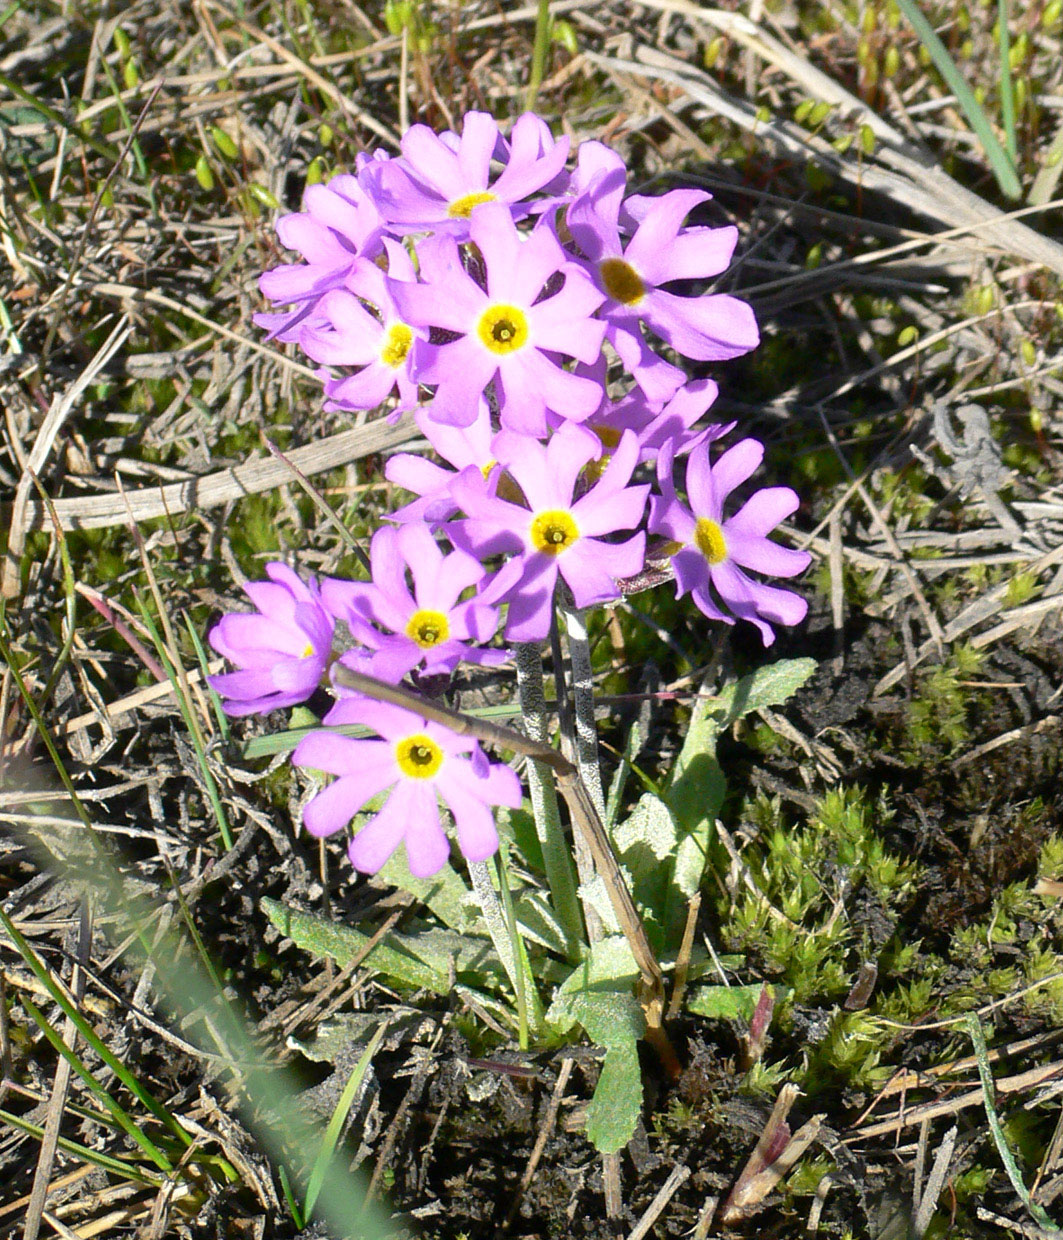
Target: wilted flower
point(282, 650)
point(711, 551)
point(422, 763)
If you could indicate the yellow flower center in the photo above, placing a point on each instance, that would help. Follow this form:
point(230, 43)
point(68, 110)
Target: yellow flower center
point(419, 757)
point(486, 469)
point(461, 208)
point(709, 540)
point(428, 628)
point(396, 345)
point(622, 282)
point(553, 531)
point(308, 651)
point(503, 329)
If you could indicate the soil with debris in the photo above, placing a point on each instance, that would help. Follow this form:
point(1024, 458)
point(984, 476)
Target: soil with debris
point(906, 388)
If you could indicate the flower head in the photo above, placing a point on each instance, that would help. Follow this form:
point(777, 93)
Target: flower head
point(556, 533)
point(428, 627)
point(422, 763)
point(339, 226)
point(711, 550)
point(441, 179)
point(507, 334)
point(654, 427)
point(708, 328)
point(344, 333)
point(282, 649)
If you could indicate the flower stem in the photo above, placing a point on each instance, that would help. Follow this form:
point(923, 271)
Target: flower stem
point(560, 875)
point(579, 655)
point(573, 746)
point(540, 52)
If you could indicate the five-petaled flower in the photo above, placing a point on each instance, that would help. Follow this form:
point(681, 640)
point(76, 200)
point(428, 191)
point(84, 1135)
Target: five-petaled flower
point(441, 179)
point(708, 328)
point(557, 533)
point(282, 650)
point(710, 551)
point(508, 333)
point(427, 628)
point(344, 333)
point(421, 763)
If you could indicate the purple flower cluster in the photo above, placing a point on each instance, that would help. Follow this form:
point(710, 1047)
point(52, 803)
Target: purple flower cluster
point(479, 283)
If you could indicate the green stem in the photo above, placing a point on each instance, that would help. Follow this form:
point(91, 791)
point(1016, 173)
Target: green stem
point(560, 874)
point(540, 52)
point(579, 655)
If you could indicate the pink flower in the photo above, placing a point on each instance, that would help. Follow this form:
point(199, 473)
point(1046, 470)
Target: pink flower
point(556, 533)
point(346, 334)
point(459, 446)
point(441, 179)
point(421, 763)
point(709, 328)
point(508, 336)
point(428, 627)
point(339, 226)
point(711, 551)
point(282, 649)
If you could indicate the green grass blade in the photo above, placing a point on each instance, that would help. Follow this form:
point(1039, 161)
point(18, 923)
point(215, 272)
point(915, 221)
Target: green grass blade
point(339, 1118)
point(981, 1054)
point(188, 714)
point(120, 1070)
point(125, 1121)
point(540, 53)
point(115, 1166)
point(999, 160)
point(204, 667)
point(1007, 91)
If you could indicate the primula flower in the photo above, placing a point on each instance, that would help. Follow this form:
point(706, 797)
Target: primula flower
point(429, 626)
point(506, 333)
point(282, 650)
point(711, 551)
point(339, 226)
point(441, 179)
point(653, 426)
point(422, 763)
point(709, 328)
point(459, 446)
point(346, 334)
point(556, 533)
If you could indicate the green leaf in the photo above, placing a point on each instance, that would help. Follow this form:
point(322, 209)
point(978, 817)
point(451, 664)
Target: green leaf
point(322, 937)
point(767, 686)
point(445, 893)
point(725, 1002)
point(647, 843)
point(614, 1110)
point(428, 959)
point(696, 786)
point(598, 996)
